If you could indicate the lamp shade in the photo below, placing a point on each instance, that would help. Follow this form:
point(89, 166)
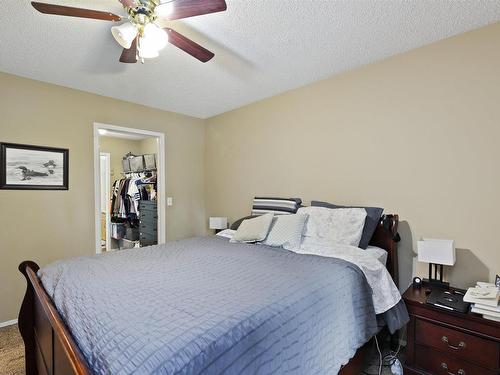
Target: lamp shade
point(436, 251)
point(218, 223)
point(153, 41)
point(148, 51)
point(124, 34)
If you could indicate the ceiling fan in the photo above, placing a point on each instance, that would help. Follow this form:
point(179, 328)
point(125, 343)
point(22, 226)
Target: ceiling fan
point(140, 36)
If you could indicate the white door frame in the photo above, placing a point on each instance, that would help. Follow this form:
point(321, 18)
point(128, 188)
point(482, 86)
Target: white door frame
point(161, 181)
point(107, 184)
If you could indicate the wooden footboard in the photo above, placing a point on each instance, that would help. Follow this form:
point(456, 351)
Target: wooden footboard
point(49, 346)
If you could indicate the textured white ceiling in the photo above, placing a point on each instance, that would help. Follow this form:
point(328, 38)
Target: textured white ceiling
point(262, 47)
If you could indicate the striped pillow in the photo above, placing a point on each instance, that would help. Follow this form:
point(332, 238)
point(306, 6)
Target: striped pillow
point(277, 206)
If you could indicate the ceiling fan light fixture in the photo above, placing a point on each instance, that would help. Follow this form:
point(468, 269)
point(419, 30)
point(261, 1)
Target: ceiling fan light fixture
point(140, 37)
point(154, 37)
point(124, 34)
point(148, 52)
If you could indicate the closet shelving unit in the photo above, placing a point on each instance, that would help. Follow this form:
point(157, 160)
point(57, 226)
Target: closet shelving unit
point(143, 230)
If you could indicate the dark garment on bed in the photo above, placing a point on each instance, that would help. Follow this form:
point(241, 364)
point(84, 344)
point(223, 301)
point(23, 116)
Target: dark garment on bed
point(207, 306)
point(395, 318)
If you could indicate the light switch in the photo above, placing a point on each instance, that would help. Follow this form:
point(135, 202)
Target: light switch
point(170, 201)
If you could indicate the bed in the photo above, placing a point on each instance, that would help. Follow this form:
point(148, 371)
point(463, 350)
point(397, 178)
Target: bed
point(201, 305)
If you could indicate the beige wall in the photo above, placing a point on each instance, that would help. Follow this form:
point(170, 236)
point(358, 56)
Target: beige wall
point(47, 225)
point(418, 134)
point(117, 148)
point(148, 146)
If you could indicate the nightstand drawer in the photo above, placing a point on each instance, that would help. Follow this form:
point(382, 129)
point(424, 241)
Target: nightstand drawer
point(471, 348)
point(438, 363)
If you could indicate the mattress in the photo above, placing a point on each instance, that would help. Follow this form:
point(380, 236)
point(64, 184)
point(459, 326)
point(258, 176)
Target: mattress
point(207, 306)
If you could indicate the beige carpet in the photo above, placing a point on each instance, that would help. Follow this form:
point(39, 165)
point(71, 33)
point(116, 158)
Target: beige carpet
point(11, 351)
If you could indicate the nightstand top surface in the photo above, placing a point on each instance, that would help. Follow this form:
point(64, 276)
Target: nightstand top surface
point(418, 297)
point(415, 295)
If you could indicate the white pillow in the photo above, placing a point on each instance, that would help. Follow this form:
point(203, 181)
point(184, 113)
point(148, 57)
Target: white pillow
point(226, 233)
point(334, 226)
point(253, 230)
point(286, 231)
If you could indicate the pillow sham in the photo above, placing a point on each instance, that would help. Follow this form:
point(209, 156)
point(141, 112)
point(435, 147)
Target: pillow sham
point(373, 215)
point(253, 230)
point(340, 226)
point(277, 206)
point(286, 231)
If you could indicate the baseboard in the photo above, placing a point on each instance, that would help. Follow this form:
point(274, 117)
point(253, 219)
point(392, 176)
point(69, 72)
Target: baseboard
point(8, 323)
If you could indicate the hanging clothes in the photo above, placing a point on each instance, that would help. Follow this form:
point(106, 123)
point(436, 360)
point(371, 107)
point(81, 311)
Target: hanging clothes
point(127, 192)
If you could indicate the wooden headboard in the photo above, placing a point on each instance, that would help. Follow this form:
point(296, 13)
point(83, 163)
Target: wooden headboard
point(386, 237)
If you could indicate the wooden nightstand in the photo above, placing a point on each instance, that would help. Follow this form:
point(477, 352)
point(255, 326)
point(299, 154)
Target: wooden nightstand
point(448, 343)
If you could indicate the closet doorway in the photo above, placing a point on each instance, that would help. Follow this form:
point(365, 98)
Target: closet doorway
point(129, 173)
point(105, 176)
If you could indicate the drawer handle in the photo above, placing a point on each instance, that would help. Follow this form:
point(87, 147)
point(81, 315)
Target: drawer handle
point(459, 372)
point(461, 344)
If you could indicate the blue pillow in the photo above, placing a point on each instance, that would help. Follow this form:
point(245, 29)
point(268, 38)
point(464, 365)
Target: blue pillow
point(373, 215)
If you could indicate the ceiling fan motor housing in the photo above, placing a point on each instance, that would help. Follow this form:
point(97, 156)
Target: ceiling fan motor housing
point(143, 13)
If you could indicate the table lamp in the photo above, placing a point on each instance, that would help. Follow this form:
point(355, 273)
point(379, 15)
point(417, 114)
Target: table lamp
point(218, 223)
point(436, 253)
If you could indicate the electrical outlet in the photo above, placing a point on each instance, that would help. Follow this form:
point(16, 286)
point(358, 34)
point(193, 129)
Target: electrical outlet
point(170, 201)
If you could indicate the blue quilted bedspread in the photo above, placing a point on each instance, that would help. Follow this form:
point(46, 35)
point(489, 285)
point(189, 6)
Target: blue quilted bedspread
point(207, 306)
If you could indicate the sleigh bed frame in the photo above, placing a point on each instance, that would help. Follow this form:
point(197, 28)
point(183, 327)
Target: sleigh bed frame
point(51, 350)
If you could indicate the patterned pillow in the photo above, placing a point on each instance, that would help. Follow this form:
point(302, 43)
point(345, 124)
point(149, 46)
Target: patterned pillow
point(276, 206)
point(340, 226)
point(286, 231)
point(373, 215)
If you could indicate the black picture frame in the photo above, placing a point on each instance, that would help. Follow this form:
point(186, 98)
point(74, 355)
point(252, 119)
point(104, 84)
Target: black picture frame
point(31, 174)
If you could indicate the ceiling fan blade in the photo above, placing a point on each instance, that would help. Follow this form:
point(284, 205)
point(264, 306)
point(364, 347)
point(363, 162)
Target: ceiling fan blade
point(177, 9)
point(74, 12)
point(128, 3)
point(129, 56)
point(188, 46)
